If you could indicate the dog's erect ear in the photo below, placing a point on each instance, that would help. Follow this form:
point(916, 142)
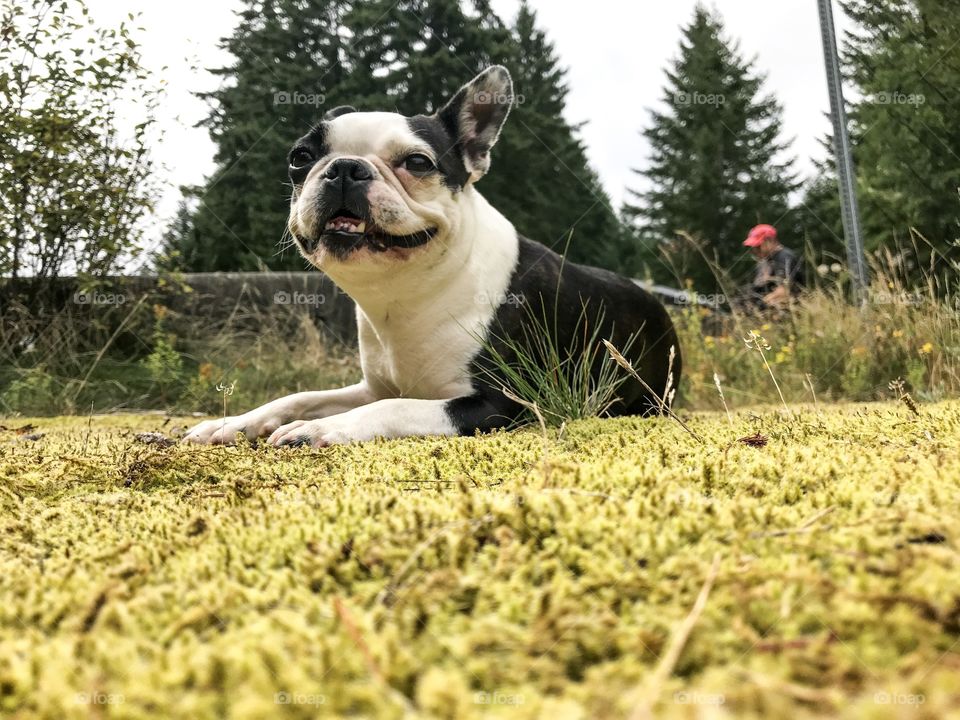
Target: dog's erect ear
point(475, 115)
point(338, 111)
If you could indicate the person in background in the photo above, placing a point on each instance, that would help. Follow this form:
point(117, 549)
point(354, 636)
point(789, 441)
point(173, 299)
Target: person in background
point(779, 273)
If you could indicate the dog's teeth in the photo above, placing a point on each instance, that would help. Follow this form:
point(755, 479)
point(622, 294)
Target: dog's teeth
point(346, 225)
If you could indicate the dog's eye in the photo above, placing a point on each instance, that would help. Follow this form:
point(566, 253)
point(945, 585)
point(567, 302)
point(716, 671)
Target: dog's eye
point(300, 158)
point(418, 164)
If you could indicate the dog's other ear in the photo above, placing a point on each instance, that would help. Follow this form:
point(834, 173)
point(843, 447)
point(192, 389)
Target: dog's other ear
point(338, 111)
point(475, 115)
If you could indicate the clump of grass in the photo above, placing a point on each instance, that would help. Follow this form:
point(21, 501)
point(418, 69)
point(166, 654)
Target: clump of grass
point(562, 383)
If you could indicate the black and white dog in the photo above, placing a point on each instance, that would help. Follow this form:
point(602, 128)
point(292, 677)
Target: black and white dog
point(386, 206)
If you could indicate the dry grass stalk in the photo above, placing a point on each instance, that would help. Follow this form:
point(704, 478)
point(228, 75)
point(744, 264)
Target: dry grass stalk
point(628, 366)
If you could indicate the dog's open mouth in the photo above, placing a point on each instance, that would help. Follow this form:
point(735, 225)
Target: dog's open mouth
point(345, 222)
point(346, 231)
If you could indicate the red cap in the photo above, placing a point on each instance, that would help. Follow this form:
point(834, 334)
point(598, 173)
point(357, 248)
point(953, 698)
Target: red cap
point(759, 234)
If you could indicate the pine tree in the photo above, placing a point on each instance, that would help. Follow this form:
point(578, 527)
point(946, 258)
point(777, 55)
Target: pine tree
point(178, 238)
point(286, 67)
point(904, 58)
point(542, 179)
point(717, 163)
point(421, 51)
point(818, 215)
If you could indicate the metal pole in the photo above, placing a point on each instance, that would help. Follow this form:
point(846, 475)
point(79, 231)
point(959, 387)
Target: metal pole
point(844, 157)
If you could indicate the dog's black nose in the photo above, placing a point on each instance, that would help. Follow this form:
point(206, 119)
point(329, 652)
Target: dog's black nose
point(348, 170)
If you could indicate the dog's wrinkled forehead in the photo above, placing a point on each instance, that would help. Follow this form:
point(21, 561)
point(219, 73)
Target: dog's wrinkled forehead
point(369, 133)
point(392, 137)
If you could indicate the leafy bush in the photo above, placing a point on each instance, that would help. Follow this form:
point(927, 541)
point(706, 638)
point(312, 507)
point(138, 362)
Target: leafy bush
point(164, 364)
point(134, 358)
point(32, 391)
point(62, 85)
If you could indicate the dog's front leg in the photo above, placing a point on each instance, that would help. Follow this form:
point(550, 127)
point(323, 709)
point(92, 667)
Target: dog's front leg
point(263, 420)
point(393, 418)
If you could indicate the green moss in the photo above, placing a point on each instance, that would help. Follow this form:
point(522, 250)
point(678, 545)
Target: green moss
point(482, 577)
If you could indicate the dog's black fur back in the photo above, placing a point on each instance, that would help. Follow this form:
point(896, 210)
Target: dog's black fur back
point(570, 301)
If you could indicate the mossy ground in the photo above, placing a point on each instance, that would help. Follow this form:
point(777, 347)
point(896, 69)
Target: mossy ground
point(493, 576)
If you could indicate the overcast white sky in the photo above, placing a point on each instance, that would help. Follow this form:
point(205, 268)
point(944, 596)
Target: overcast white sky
point(615, 53)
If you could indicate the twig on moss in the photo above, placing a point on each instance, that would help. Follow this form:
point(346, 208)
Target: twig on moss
point(532, 407)
point(353, 630)
point(387, 595)
point(794, 690)
point(668, 661)
point(806, 527)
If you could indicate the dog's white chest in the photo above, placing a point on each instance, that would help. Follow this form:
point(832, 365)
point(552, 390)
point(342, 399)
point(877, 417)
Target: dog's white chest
point(427, 359)
point(419, 332)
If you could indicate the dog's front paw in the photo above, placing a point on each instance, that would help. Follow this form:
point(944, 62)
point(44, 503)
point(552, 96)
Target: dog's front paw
point(313, 433)
point(224, 431)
